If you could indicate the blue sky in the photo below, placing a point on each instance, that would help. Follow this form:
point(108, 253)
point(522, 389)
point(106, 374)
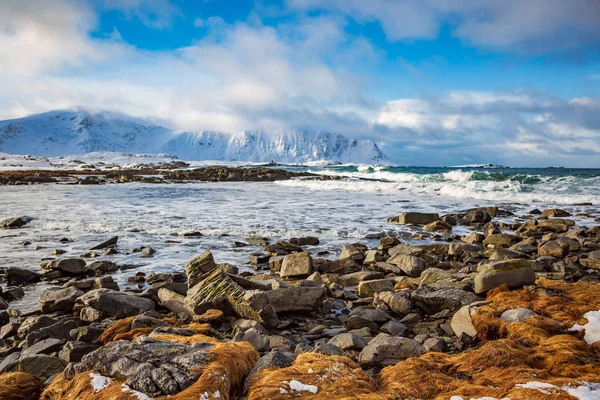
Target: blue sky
point(432, 81)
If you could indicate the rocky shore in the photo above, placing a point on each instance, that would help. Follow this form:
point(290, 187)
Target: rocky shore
point(171, 173)
point(510, 310)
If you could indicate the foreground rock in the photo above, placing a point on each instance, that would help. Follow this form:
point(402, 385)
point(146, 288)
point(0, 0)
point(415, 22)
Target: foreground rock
point(512, 273)
point(114, 304)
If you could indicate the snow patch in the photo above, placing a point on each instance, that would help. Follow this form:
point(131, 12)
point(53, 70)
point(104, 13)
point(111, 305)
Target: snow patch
point(99, 382)
point(301, 387)
point(592, 328)
point(139, 395)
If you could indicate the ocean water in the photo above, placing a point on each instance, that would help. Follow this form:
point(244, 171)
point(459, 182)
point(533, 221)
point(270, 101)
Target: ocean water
point(351, 209)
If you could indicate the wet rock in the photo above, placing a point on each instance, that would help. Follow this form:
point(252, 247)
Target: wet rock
point(348, 341)
point(14, 222)
point(553, 248)
point(398, 303)
point(415, 218)
point(369, 288)
point(459, 248)
point(3, 304)
point(592, 260)
point(477, 216)
point(500, 239)
point(59, 300)
point(438, 226)
point(443, 299)
point(12, 293)
point(275, 263)
point(8, 330)
point(555, 212)
point(555, 225)
point(259, 258)
point(354, 252)
point(514, 273)
point(40, 365)
point(257, 240)
point(115, 304)
point(103, 267)
point(74, 351)
point(410, 265)
point(103, 282)
point(305, 241)
point(16, 276)
point(199, 266)
point(106, 244)
point(298, 265)
point(70, 266)
point(372, 257)
point(389, 350)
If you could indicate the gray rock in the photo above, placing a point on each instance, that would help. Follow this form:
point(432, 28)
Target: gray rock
point(60, 330)
point(372, 314)
point(275, 358)
point(517, 314)
point(443, 299)
point(103, 267)
point(59, 300)
point(31, 324)
point(40, 365)
point(143, 321)
point(328, 349)
point(3, 304)
point(259, 341)
point(399, 302)
point(10, 362)
point(9, 330)
point(172, 301)
point(410, 265)
point(74, 351)
point(148, 365)
point(115, 304)
point(348, 341)
point(46, 346)
point(296, 298)
point(514, 273)
point(394, 328)
point(384, 349)
point(434, 344)
point(462, 323)
point(90, 314)
point(12, 293)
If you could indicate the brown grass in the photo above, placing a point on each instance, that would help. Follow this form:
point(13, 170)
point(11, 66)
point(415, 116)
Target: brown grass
point(20, 386)
point(121, 330)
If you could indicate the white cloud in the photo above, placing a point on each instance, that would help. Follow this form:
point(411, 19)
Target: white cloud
point(533, 25)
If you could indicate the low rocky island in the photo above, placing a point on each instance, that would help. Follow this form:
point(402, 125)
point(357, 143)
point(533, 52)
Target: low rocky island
point(510, 310)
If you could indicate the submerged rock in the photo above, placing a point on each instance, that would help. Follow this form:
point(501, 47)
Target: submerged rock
point(415, 218)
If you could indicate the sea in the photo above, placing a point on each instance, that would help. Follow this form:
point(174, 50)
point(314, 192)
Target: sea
point(352, 208)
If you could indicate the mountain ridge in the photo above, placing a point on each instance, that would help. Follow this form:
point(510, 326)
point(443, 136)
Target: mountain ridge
point(77, 131)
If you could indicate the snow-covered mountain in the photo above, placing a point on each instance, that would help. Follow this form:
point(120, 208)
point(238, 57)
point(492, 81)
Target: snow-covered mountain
point(58, 133)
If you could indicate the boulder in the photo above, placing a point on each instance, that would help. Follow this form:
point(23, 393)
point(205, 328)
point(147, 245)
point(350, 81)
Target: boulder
point(355, 278)
point(415, 218)
point(31, 324)
point(115, 304)
point(348, 341)
point(352, 251)
point(70, 266)
point(298, 265)
point(399, 303)
point(394, 328)
point(553, 248)
point(275, 263)
point(75, 350)
point(500, 240)
point(106, 244)
point(45, 346)
point(438, 226)
point(555, 225)
point(389, 350)
point(14, 222)
point(275, 358)
point(514, 273)
point(458, 248)
point(305, 241)
point(17, 276)
point(592, 260)
point(40, 365)
point(369, 288)
point(443, 299)
point(59, 300)
point(410, 265)
point(296, 298)
point(259, 341)
point(148, 365)
point(372, 257)
point(173, 301)
point(60, 330)
point(517, 314)
point(462, 320)
point(103, 267)
point(343, 266)
point(199, 266)
point(555, 212)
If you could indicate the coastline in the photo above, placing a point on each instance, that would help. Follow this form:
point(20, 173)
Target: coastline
point(370, 312)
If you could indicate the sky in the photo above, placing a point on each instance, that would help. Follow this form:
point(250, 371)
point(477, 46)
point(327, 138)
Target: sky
point(432, 82)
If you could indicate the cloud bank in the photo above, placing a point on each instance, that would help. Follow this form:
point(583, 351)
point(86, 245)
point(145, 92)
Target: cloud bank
point(307, 72)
